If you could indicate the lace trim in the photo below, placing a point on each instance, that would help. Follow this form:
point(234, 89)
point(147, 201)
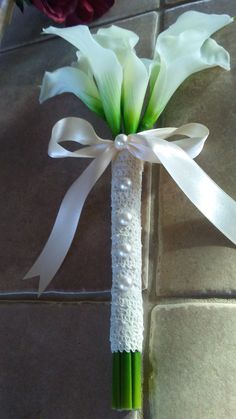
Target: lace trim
point(126, 332)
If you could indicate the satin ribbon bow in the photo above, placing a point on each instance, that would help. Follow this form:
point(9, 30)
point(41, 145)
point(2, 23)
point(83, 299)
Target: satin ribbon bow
point(152, 146)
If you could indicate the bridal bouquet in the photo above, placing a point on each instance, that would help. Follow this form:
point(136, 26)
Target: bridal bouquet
point(113, 81)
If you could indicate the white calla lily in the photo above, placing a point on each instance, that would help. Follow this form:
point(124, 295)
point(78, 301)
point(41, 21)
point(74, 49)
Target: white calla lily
point(72, 80)
point(135, 72)
point(183, 49)
point(105, 66)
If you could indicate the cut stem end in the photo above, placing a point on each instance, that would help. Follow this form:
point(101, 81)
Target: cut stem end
point(126, 380)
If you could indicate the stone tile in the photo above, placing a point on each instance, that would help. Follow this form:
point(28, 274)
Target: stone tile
point(6, 10)
point(24, 27)
point(123, 9)
point(27, 27)
point(206, 6)
point(194, 258)
point(55, 361)
point(193, 361)
point(32, 185)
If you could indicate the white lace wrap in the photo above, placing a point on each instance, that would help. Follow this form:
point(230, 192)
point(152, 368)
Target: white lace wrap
point(126, 333)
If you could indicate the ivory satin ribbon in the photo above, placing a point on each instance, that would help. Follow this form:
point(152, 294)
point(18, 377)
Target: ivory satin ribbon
point(152, 146)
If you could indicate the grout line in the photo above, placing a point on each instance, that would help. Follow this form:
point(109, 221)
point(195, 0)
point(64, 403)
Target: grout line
point(215, 303)
point(56, 296)
point(27, 44)
point(225, 295)
point(54, 302)
point(105, 296)
point(178, 4)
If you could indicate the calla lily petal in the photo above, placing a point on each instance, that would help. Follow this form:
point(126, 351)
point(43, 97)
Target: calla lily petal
point(106, 69)
point(72, 80)
point(215, 55)
point(184, 49)
point(203, 23)
point(135, 81)
point(82, 64)
point(153, 68)
point(115, 38)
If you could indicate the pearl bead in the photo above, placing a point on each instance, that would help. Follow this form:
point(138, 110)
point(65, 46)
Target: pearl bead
point(126, 184)
point(121, 141)
point(124, 249)
point(125, 218)
point(125, 283)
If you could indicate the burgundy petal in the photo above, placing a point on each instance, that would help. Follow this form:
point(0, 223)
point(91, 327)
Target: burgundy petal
point(56, 10)
point(73, 12)
point(88, 10)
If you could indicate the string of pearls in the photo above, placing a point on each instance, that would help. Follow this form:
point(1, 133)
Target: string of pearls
point(126, 333)
point(125, 217)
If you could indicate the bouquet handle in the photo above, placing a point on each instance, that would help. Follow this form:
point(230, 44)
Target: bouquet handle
point(126, 333)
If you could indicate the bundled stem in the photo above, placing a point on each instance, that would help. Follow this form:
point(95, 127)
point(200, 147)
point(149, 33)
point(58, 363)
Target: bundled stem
point(126, 381)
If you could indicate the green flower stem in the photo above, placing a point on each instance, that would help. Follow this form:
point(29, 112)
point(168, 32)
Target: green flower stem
point(147, 124)
point(136, 380)
point(126, 380)
point(116, 380)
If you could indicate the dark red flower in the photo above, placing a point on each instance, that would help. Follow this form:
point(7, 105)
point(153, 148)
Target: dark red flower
point(73, 12)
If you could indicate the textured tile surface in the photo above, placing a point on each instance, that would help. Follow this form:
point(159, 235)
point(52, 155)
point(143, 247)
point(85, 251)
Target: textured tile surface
point(194, 257)
point(124, 8)
point(32, 185)
point(55, 361)
point(29, 25)
point(206, 6)
point(193, 361)
point(24, 27)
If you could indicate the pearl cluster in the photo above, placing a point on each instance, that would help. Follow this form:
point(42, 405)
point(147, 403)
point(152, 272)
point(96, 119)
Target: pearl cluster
point(124, 219)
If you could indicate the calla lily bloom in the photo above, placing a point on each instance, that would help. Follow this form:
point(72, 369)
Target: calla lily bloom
point(135, 74)
point(113, 81)
point(106, 69)
point(181, 50)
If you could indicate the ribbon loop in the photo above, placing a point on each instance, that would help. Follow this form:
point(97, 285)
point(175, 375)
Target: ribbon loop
point(152, 146)
point(79, 131)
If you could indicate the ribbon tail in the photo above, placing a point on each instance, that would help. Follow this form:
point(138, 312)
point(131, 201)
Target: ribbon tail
point(60, 239)
point(205, 194)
